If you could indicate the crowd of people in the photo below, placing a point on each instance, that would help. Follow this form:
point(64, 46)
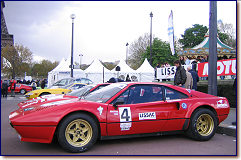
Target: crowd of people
point(5, 83)
point(8, 83)
point(185, 78)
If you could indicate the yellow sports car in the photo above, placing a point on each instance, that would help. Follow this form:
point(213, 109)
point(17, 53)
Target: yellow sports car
point(64, 90)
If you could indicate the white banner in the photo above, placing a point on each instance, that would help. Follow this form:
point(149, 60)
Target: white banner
point(171, 32)
point(168, 72)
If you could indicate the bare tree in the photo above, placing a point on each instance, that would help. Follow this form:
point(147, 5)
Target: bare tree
point(17, 60)
point(136, 50)
point(230, 31)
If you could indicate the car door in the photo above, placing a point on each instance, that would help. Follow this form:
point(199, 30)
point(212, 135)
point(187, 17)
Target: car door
point(17, 88)
point(179, 103)
point(141, 109)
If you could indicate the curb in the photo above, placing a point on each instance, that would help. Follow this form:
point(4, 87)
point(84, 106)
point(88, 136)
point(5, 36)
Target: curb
point(229, 130)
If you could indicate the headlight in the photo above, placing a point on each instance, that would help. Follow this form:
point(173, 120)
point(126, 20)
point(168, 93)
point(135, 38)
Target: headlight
point(30, 93)
point(28, 109)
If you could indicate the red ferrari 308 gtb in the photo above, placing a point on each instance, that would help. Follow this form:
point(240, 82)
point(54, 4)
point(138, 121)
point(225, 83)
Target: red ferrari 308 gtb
point(119, 110)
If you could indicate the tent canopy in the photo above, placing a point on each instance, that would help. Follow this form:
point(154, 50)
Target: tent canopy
point(205, 44)
point(145, 67)
point(96, 67)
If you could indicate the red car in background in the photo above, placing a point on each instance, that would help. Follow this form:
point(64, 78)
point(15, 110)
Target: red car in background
point(21, 88)
point(120, 110)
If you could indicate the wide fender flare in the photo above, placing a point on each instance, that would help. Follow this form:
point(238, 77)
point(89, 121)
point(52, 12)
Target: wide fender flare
point(87, 110)
point(199, 105)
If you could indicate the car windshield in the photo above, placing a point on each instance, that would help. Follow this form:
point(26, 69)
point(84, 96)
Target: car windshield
point(80, 92)
point(104, 94)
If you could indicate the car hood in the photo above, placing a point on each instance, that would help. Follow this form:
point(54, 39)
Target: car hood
point(45, 100)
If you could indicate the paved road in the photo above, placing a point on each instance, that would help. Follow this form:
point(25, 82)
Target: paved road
point(161, 145)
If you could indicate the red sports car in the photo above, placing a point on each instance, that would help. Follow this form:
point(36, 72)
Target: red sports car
point(120, 110)
point(21, 88)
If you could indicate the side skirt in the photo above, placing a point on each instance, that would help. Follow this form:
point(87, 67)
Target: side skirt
point(142, 135)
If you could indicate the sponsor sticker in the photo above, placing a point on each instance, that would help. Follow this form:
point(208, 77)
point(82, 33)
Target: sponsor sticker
point(189, 90)
point(221, 104)
point(56, 103)
point(184, 105)
point(125, 126)
point(147, 115)
point(114, 112)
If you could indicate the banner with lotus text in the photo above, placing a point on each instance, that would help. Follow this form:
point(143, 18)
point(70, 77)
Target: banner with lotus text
point(224, 68)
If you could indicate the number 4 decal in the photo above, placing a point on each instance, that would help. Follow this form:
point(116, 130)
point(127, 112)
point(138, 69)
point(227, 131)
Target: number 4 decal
point(125, 114)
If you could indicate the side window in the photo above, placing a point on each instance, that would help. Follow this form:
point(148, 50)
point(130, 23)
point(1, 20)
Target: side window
point(62, 82)
point(173, 94)
point(76, 86)
point(123, 98)
point(144, 94)
point(69, 81)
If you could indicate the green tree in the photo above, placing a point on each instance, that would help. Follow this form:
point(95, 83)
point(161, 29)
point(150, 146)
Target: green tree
point(161, 53)
point(196, 34)
point(193, 36)
point(41, 69)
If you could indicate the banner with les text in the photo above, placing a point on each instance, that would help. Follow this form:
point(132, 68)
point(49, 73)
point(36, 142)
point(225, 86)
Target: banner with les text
point(224, 68)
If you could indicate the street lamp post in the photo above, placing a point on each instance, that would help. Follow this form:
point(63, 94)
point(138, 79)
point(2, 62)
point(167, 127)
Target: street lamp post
point(72, 16)
point(126, 52)
point(80, 55)
point(212, 61)
point(151, 15)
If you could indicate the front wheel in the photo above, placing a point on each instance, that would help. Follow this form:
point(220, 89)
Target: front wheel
point(203, 125)
point(77, 133)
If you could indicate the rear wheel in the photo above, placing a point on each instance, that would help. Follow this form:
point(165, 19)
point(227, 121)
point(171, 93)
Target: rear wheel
point(203, 125)
point(22, 91)
point(77, 133)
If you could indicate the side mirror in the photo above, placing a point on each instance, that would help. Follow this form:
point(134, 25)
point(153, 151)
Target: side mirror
point(119, 101)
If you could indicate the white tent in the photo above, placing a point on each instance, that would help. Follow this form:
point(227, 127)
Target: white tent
point(63, 71)
point(52, 75)
point(146, 72)
point(97, 72)
point(124, 71)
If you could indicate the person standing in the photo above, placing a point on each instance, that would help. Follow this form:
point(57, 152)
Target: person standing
point(186, 60)
point(128, 78)
point(189, 80)
point(12, 87)
point(180, 75)
point(34, 85)
point(181, 59)
point(5, 88)
point(43, 84)
point(194, 76)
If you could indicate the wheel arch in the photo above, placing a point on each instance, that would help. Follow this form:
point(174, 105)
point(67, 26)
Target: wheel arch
point(82, 111)
point(44, 93)
point(192, 112)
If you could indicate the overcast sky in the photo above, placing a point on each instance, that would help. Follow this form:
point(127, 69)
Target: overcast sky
point(101, 29)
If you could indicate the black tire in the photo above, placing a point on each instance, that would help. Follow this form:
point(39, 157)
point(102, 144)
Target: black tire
point(42, 94)
point(203, 125)
point(22, 91)
point(73, 138)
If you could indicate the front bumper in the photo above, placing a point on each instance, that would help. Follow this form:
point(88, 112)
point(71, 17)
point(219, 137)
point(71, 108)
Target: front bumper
point(40, 134)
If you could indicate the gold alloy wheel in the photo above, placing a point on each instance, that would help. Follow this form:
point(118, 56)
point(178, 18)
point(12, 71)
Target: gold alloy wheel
point(205, 125)
point(78, 133)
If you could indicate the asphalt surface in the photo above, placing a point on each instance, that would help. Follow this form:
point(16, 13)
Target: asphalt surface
point(220, 144)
